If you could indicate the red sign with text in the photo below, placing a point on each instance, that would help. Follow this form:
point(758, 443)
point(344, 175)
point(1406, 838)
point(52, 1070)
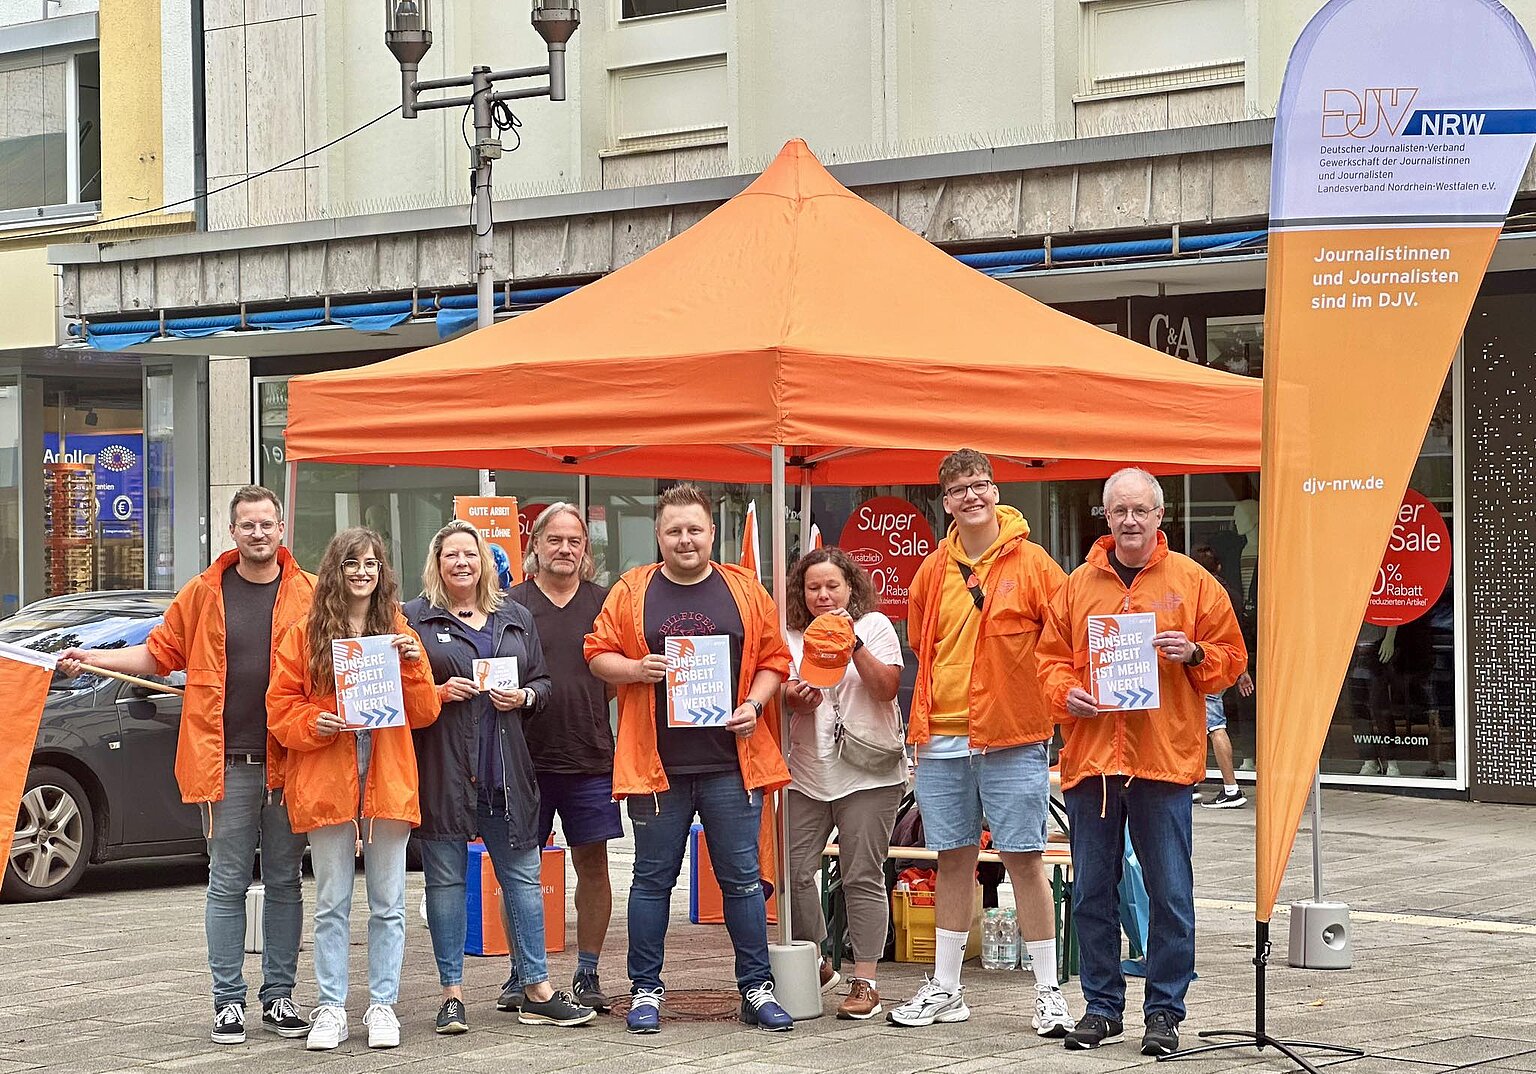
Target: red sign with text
point(889, 538)
point(1416, 567)
point(525, 520)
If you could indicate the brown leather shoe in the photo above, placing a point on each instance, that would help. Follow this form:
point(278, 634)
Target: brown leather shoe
point(862, 1001)
point(829, 977)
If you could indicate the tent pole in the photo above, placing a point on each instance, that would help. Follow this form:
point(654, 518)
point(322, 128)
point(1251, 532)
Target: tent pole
point(1317, 835)
point(291, 531)
point(805, 509)
point(780, 575)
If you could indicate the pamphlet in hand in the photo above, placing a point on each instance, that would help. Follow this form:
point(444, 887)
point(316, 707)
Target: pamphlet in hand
point(699, 687)
point(368, 694)
point(496, 673)
point(1122, 664)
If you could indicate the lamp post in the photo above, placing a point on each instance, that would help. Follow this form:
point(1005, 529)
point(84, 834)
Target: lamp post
point(408, 34)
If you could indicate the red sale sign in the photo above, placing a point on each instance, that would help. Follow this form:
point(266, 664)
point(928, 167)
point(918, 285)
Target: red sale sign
point(889, 538)
point(526, 518)
point(1416, 567)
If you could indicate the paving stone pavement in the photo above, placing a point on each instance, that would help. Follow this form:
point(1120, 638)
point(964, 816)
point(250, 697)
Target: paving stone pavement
point(114, 978)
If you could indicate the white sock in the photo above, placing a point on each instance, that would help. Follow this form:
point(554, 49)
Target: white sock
point(1042, 958)
point(949, 955)
point(1230, 789)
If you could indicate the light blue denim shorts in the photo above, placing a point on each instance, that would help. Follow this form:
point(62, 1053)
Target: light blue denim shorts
point(1011, 786)
point(1215, 713)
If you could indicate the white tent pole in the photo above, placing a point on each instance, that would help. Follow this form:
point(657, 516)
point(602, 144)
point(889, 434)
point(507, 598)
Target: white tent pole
point(780, 574)
point(805, 509)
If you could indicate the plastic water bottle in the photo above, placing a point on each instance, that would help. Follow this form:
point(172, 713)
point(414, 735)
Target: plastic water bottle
point(1008, 941)
point(991, 927)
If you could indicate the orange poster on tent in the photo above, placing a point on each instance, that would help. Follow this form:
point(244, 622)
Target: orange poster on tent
point(497, 519)
point(1401, 136)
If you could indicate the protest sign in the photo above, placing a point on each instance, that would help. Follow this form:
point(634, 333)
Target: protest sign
point(368, 694)
point(497, 673)
point(1122, 664)
point(698, 681)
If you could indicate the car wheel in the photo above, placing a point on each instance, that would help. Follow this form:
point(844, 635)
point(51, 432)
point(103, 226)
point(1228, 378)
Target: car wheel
point(55, 831)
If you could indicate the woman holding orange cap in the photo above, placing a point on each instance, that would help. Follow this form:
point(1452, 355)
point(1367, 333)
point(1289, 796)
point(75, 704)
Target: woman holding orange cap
point(846, 760)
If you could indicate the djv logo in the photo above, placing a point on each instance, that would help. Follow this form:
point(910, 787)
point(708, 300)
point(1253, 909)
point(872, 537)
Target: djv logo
point(1347, 114)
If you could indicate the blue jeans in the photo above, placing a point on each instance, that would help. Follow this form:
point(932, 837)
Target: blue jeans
point(332, 851)
point(731, 817)
point(444, 866)
point(1157, 814)
point(239, 823)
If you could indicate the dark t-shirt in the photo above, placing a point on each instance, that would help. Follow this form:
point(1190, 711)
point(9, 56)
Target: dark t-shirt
point(247, 660)
point(572, 735)
point(1127, 574)
point(488, 759)
point(677, 611)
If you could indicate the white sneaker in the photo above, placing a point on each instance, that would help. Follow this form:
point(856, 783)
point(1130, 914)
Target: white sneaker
point(327, 1028)
point(1052, 1019)
point(1370, 768)
point(933, 1003)
point(1393, 769)
point(383, 1026)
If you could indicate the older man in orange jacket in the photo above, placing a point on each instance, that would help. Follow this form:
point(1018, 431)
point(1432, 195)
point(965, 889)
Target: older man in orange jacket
point(1133, 769)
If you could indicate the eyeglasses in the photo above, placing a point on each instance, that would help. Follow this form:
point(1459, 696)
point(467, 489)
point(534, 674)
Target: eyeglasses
point(975, 488)
point(360, 566)
point(246, 529)
point(1140, 514)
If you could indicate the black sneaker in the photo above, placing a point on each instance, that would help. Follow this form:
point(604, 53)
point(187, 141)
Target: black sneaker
point(1235, 800)
point(588, 990)
point(283, 1018)
point(511, 998)
point(1093, 1030)
point(1162, 1035)
point(452, 1017)
point(229, 1024)
point(559, 1009)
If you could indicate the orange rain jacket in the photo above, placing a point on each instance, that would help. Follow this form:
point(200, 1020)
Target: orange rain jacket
point(321, 786)
point(620, 628)
point(1166, 743)
point(1006, 706)
point(192, 640)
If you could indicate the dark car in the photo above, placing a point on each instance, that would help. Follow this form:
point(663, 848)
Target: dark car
point(101, 785)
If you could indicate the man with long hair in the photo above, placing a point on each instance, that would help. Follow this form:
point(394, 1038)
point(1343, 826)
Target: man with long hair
point(571, 740)
point(221, 629)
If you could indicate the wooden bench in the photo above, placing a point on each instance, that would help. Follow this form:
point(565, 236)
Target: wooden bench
point(1057, 856)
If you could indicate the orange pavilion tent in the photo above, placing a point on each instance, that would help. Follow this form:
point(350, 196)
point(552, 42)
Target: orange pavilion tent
point(796, 316)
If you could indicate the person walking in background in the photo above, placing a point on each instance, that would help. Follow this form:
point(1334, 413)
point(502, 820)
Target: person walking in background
point(571, 739)
point(669, 774)
point(1132, 771)
point(221, 629)
point(351, 793)
point(847, 765)
point(982, 727)
point(477, 777)
point(1231, 796)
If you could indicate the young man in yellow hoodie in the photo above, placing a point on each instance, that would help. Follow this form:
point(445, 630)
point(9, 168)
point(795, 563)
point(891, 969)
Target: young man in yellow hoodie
point(981, 726)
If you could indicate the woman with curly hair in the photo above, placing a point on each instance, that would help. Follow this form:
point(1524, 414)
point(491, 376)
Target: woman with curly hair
point(354, 793)
point(846, 762)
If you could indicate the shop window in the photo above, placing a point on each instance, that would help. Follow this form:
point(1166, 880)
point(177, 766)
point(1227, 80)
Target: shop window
point(50, 134)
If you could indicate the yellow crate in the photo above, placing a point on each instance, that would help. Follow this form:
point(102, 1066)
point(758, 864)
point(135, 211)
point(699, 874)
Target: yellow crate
point(912, 914)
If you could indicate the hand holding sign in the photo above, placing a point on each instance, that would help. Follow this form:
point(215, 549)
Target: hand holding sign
point(699, 684)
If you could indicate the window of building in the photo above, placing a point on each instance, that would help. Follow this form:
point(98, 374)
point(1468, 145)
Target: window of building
point(50, 133)
point(639, 9)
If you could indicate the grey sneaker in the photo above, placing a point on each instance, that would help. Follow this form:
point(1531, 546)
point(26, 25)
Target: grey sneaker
point(558, 1010)
point(588, 990)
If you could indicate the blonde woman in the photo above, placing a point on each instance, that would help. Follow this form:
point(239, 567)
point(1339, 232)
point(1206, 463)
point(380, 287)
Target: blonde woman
point(351, 792)
point(477, 778)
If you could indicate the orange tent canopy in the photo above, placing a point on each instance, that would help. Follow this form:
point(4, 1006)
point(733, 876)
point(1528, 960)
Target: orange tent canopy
point(795, 315)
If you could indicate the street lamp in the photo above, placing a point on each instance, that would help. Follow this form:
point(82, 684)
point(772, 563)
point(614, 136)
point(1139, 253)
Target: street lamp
point(408, 35)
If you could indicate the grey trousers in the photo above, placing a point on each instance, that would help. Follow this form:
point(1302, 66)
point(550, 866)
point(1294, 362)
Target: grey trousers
point(863, 821)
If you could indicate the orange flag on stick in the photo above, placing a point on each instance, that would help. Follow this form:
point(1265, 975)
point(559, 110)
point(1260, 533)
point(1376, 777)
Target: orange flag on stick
point(24, 678)
point(749, 557)
point(815, 535)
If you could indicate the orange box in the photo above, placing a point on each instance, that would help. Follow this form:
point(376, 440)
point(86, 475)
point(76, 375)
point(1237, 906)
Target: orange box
point(486, 909)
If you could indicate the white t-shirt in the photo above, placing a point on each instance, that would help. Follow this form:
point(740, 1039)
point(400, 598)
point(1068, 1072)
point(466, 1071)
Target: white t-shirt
point(814, 767)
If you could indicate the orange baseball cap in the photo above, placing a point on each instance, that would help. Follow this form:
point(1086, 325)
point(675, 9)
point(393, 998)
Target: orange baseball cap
point(829, 645)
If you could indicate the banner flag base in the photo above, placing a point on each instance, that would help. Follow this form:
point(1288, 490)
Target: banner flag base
point(1256, 1037)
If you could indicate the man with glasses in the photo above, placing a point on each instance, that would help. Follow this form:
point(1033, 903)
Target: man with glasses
point(221, 630)
point(1133, 770)
point(981, 727)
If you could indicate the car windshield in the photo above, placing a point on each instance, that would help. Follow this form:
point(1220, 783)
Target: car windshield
point(56, 629)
